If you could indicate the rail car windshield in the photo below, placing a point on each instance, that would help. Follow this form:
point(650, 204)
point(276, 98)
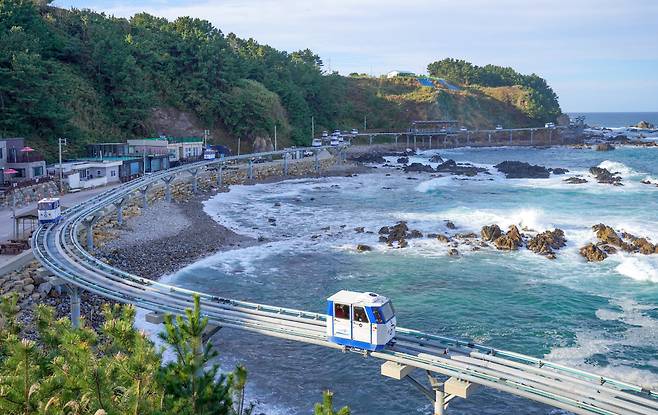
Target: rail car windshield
point(47, 205)
point(360, 315)
point(384, 313)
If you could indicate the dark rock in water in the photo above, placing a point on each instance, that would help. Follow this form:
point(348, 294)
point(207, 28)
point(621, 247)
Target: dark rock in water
point(575, 180)
point(277, 204)
point(452, 167)
point(359, 229)
point(363, 248)
point(453, 252)
point(368, 158)
point(607, 235)
point(326, 228)
point(522, 170)
point(436, 159)
point(645, 125)
point(605, 176)
point(491, 233)
point(620, 139)
point(593, 253)
point(412, 178)
point(604, 147)
point(418, 167)
point(443, 238)
point(384, 230)
point(546, 242)
point(558, 170)
point(510, 241)
point(414, 234)
point(383, 238)
point(450, 225)
point(432, 235)
point(646, 182)
point(403, 160)
point(403, 243)
point(469, 235)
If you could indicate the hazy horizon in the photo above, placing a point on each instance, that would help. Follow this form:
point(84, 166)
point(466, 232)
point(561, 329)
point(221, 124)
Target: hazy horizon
point(599, 56)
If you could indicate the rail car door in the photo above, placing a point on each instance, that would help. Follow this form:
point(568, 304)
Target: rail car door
point(360, 325)
point(342, 326)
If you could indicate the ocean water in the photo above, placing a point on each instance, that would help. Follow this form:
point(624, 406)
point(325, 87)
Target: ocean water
point(616, 119)
point(599, 316)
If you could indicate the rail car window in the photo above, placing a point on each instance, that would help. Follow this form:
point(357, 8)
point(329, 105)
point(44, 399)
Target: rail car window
point(387, 311)
point(342, 311)
point(378, 316)
point(360, 315)
point(45, 206)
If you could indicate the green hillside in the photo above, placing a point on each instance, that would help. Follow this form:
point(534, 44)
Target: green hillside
point(92, 77)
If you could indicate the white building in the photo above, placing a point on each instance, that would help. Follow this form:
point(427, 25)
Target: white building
point(88, 174)
point(396, 73)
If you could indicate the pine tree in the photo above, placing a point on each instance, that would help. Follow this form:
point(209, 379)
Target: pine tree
point(327, 406)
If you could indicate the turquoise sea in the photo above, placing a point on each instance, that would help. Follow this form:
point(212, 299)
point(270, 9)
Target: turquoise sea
point(599, 316)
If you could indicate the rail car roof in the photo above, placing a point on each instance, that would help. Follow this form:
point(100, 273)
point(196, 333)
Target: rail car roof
point(357, 298)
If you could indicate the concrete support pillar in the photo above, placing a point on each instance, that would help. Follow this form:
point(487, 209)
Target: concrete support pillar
point(167, 181)
point(220, 173)
point(415, 142)
point(430, 143)
point(370, 140)
point(439, 402)
point(396, 140)
point(74, 295)
point(510, 136)
point(286, 156)
point(90, 235)
point(317, 162)
point(468, 137)
point(195, 174)
point(407, 140)
point(120, 214)
point(144, 191)
point(550, 136)
point(532, 133)
point(250, 170)
point(489, 138)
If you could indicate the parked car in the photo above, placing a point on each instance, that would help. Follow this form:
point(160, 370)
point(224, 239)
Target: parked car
point(336, 133)
point(549, 125)
point(325, 134)
point(316, 142)
point(463, 129)
point(335, 141)
point(354, 131)
point(499, 127)
point(308, 153)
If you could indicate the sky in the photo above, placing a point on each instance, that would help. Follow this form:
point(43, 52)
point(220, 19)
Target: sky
point(598, 55)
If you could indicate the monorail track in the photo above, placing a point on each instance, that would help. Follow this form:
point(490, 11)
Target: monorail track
point(58, 248)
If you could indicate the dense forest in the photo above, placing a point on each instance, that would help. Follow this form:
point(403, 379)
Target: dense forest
point(542, 103)
point(92, 77)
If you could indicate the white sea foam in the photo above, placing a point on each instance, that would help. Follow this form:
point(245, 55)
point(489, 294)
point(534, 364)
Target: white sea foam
point(639, 269)
point(642, 331)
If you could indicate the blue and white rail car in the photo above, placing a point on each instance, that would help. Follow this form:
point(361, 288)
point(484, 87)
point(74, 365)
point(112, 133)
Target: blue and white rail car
point(49, 210)
point(360, 320)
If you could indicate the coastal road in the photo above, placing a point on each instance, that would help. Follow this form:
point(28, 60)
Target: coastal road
point(59, 249)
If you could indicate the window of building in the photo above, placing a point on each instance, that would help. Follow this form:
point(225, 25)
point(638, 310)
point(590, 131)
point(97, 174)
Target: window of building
point(19, 173)
point(342, 311)
point(37, 171)
point(113, 173)
point(1, 154)
point(360, 315)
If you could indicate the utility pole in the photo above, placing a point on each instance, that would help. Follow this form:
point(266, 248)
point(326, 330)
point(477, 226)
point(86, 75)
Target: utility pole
point(312, 127)
point(274, 136)
point(61, 141)
point(205, 138)
point(365, 123)
point(144, 162)
point(238, 146)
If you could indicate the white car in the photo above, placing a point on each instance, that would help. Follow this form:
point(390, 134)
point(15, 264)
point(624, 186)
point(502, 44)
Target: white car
point(549, 125)
point(463, 129)
point(354, 131)
point(325, 134)
point(499, 127)
point(335, 141)
point(336, 133)
point(316, 142)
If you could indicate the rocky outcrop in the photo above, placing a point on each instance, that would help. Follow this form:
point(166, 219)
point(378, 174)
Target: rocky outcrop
point(592, 253)
point(403, 160)
point(461, 169)
point(510, 241)
point(645, 125)
point(559, 171)
point(604, 147)
point(610, 242)
point(363, 248)
point(605, 176)
point(436, 159)
point(522, 170)
point(491, 233)
point(368, 158)
point(575, 180)
point(418, 167)
point(547, 242)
